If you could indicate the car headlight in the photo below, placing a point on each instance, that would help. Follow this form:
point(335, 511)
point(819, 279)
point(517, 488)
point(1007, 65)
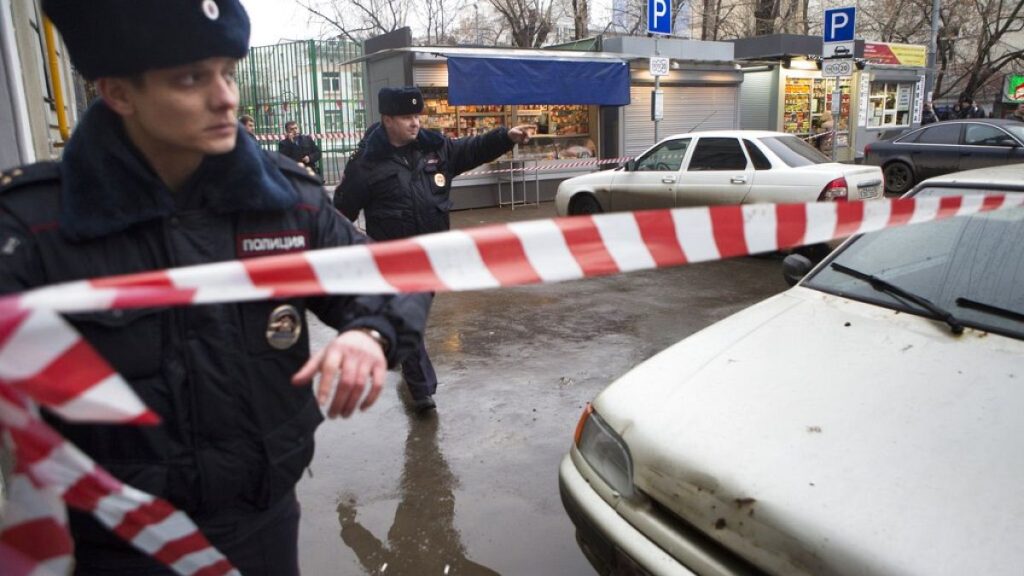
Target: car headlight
point(606, 453)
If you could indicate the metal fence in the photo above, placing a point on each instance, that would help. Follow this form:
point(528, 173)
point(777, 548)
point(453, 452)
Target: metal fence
point(306, 82)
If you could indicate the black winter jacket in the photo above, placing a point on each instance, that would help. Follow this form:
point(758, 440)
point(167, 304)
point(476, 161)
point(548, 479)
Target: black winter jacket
point(235, 433)
point(303, 146)
point(405, 198)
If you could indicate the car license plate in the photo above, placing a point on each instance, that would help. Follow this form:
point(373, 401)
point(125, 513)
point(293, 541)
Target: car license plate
point(868, 191)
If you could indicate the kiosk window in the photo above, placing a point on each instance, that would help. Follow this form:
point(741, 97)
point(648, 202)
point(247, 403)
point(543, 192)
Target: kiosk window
point(889, 104)
point(718, 154)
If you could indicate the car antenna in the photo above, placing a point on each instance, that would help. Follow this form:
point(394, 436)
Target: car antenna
point(701, 123)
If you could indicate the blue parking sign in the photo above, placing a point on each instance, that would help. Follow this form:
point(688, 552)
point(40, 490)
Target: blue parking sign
point(659, 16)
point(840, 24)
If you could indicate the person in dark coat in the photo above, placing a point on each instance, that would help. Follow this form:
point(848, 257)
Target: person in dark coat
point(968, 109)
point(300, 147)
point(401, 177)
point(928, 115)
point(159, 174)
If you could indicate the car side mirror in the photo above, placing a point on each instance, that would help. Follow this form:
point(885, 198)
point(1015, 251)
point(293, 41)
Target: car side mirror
point(795, 267)
point(629, 165)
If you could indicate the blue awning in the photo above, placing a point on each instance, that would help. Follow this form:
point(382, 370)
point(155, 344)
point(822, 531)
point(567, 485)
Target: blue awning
point(481, 80)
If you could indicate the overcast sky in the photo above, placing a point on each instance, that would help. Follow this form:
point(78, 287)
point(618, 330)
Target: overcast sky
point(273, 20)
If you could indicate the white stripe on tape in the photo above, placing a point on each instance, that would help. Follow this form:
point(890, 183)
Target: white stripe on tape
point(112, 400)
point(546, 250)
point(112, 508)
point(622, 237)
point(821, 222)
point(760, 230)
point(70, 297)
point(456, 261)
point(155, 536)
point(348, 270)
point(63, 467)
point(42, 338)
point(693, 228)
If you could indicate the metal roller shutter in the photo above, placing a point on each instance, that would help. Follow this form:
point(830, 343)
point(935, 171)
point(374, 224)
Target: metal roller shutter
point(430, 75)
point(756, 101)
point(687, 108)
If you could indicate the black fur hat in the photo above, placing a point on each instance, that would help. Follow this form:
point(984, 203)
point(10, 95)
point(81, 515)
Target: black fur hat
point(128, 37)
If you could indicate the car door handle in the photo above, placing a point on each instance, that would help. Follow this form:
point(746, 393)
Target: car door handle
point(668, 180)
point(739, 180)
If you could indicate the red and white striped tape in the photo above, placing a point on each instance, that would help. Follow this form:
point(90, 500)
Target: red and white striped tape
point(319, 136)
point(536, 166)
point(37, 348)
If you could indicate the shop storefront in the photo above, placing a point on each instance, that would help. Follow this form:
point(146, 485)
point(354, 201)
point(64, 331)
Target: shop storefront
point(784, 90)
point(580, 106)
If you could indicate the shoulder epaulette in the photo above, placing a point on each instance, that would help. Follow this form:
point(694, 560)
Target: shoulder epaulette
point(32, 174)
point(295, 168)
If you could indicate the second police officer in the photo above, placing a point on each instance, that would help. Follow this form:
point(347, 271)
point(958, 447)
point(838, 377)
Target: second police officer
point(401, 177)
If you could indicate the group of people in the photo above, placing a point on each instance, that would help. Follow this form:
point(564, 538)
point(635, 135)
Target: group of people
point(965, 107)
point(159, 173)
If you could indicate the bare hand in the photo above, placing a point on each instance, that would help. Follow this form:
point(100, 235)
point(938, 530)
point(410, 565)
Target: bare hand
point(352, 358)
point(519, 134)
point(305, 159)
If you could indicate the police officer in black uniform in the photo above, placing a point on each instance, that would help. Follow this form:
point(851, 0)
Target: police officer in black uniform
point(401, 177)
point(159, 174)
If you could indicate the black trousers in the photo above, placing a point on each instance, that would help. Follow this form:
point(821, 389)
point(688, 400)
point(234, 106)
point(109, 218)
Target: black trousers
point(267, 545)
point(418, 371)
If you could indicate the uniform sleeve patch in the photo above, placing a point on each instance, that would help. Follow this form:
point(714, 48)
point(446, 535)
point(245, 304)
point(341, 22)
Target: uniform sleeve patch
point(269, 243)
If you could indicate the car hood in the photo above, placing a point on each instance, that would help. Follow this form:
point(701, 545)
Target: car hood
point(815, 434)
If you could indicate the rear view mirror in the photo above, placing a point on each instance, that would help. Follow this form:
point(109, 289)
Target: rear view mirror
point(795, 267)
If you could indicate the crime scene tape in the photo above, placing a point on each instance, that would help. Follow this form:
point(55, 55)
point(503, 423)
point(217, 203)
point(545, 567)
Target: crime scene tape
point(44, 360)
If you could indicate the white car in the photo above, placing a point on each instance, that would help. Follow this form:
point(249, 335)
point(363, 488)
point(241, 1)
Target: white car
point(721, 167)
point(868, 421)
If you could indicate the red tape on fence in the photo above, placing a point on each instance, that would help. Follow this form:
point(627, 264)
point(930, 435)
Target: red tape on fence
point(42, 359)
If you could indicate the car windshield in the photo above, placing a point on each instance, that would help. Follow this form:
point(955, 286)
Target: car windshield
point(1016, 129)
point(793, 151)
point(970, 266)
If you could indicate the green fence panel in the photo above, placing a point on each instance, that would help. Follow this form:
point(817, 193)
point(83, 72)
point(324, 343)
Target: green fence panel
point(309, 83)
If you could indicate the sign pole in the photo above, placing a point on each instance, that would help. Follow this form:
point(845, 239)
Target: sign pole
point(657, 92)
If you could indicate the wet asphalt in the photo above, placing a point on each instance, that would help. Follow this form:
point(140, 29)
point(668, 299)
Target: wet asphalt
point(473, 488)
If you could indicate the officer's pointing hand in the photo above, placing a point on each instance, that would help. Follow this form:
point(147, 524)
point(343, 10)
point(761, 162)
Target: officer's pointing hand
point(352, 358)
point(519, 134)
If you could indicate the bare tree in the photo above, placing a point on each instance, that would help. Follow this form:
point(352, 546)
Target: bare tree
point(530, 21)
point(356, 20)
point(439, 17)
point(580, 18)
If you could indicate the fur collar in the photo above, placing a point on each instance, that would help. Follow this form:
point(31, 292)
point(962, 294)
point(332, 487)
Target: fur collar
point(107, 186)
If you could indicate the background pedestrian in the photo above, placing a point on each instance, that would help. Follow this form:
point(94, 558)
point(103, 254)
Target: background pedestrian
point(300, 147)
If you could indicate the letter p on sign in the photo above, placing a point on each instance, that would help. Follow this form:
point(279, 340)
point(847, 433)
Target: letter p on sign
point(659, 16)
point(840, 24)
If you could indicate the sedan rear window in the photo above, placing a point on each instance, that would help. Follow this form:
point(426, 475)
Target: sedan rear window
point(794, 152)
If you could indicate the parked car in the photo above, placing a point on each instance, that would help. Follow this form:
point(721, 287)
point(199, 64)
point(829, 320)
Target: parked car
point(867, 421)
point(946, 147)
point(724, 167)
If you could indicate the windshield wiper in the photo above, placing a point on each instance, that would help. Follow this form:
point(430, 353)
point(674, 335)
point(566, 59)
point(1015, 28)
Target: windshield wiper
point(889, 288)
point(996, 310)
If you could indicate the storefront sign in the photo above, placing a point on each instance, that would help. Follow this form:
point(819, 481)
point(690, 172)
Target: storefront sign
point(920, 99)
point(1014, 89)
point(898, 54)
point(865, 89)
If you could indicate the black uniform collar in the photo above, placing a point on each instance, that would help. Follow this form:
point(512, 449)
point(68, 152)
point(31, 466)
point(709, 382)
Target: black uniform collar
point(378, 147)
point(108, 187)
